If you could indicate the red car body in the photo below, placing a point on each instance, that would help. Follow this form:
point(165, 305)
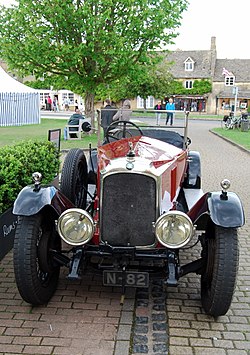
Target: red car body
point(129, 211)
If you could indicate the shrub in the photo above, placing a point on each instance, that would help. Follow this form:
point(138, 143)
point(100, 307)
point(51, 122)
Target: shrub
point(18, 162)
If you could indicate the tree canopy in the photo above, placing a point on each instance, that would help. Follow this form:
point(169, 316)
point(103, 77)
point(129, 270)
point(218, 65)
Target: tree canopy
point(144, 81)
point(84, 44)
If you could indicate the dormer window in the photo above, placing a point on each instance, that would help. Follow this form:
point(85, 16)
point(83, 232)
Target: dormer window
point(189, 64)
point(229, 80)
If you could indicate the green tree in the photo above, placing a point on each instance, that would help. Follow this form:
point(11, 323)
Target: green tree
point(83, 44)
point(200, 87)
point(147, 80)
point(150, 81)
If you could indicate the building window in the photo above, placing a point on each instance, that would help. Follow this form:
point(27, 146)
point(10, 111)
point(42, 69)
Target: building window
point(149, 102)
point(188, 84)
point(69, 96)
point(43, 96)
point(229, 80)
point(189, 64)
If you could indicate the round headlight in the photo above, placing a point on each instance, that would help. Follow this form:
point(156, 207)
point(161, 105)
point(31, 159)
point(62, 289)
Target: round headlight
point(174, 229)
point(75, 226)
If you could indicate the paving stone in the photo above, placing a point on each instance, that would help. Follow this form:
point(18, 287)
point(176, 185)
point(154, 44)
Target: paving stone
point(140, 349)
point(140, 339)
point(122, 348)
point(159, 307)
point(160, 348)
point(84, 312)
point(159, 317)
point(159, 326)
point(141, 329)
point(160, 337)
point(141, 320)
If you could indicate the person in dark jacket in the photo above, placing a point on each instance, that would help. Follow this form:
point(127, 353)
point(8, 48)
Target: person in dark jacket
point(107, 114)
point(158, 107)
point(74, 120)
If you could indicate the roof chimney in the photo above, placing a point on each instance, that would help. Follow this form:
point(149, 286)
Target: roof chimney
point(213, 55)
point(213, 43)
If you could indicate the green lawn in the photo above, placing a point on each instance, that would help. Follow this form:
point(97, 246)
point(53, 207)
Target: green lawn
point(11, 135)
point(235, 135)
point(14, 134)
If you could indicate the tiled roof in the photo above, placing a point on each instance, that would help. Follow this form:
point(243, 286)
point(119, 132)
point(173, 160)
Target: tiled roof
point(229, 93)
point(202, 64)
point(240, 68)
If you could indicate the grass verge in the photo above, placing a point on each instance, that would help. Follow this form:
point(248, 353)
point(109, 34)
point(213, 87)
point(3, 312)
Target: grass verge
point(14, 134)
point(235, 135)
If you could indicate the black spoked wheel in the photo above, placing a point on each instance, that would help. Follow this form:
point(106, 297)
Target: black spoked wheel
point(219, 279)
point(35, 270)
point(225, 124)
point(74, 178)
point(121, 129)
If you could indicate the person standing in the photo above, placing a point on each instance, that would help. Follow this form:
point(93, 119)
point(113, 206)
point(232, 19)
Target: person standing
point(158, 107)
point(49, 101)
point(55, 104)
point(66, 104)
point(124, 113)
point(107, 114)
point(170, 108)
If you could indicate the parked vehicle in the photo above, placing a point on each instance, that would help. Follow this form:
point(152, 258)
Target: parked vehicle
point(233, 122)
point(129, 211)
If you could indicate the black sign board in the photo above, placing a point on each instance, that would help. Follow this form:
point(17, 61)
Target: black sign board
point(54, 135)
point(8, 223)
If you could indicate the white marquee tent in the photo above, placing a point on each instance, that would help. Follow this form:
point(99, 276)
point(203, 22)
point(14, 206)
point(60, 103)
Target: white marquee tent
point(19, 104)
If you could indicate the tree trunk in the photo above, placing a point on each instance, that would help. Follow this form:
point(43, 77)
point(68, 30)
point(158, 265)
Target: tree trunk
point(89, 107)
point(144, 104)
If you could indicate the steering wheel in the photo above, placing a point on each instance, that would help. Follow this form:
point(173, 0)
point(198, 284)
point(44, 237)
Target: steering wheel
point(121, 129)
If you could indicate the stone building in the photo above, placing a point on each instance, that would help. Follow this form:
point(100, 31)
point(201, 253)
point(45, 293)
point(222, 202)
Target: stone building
point(227, 89)
point(189, 66)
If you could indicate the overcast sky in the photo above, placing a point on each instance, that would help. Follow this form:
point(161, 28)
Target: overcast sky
point(228, 21)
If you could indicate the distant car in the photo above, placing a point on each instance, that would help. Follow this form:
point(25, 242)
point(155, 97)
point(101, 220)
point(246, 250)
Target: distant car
point(128, 210)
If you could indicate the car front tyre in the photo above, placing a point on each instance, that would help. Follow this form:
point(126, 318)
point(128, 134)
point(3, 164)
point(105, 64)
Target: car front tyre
point(74, 177)
point(219, 279)
point(35, 271)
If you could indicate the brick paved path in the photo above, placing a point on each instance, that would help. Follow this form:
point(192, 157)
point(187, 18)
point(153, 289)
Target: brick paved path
point(84, 318)
point(190, 330)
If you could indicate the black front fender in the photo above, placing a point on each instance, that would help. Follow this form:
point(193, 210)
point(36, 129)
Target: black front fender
point(226, 212)
point(30, 201)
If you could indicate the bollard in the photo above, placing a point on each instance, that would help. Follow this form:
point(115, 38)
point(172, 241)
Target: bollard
point(244, 125)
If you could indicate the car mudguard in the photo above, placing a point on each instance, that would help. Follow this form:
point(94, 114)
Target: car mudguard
point(92, 167)
point(226, 211)
point(193, 178)
point(30, 201)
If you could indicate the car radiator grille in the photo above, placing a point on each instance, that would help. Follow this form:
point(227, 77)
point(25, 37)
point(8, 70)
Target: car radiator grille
point(128, 210)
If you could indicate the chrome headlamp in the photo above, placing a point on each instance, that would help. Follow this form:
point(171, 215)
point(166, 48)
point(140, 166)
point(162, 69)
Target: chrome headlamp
point(174, 229)
point(75, 226)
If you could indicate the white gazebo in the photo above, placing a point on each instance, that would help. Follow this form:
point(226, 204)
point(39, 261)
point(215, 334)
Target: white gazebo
point(19, 104)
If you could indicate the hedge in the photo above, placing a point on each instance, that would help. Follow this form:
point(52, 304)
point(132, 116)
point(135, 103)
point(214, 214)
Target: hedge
point(18, 162)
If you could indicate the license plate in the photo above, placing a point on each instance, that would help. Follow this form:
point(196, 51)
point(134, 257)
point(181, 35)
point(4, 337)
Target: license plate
point(131, 279)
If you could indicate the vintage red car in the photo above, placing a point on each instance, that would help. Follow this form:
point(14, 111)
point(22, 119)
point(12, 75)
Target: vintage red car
point(128, 210)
